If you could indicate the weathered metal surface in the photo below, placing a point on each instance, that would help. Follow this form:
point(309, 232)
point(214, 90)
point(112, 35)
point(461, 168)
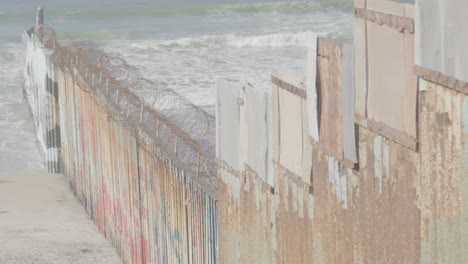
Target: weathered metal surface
point(444, 189)
point(293, 220)
point(401, 205)
point(440, 79)
point(329, 87)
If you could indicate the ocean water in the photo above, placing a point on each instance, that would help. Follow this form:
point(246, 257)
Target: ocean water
point(185, 45)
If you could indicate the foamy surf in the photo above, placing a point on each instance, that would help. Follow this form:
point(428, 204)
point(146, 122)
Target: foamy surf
point(279, 40)
point(18, 148)
point(185, 45)
point(272, 40)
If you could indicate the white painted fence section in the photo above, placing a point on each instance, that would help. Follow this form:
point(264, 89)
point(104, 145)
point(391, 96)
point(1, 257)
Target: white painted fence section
point(311, 76)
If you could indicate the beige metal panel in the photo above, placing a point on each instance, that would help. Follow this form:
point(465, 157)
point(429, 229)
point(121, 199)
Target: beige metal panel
point(258, 154)
point(290, 131)
point(311, 82)
point(392, 84)
point(411, 89)
point(289, 119)
point(227, 123)
point(444, 189)
point(360, 66)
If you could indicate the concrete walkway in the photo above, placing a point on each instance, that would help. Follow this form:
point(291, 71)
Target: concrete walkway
point(41, 221)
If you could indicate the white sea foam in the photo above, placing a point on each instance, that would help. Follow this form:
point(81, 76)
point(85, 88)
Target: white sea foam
point(272, 40)
point(278, 40)
point(18, 148)
point(192, 65)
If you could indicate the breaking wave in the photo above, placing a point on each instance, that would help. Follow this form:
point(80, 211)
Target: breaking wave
point(230, 40)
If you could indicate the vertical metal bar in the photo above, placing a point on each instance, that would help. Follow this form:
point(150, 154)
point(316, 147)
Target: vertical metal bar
point(39, 17)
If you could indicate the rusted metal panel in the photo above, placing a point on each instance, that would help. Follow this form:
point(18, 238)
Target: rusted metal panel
point(332, 223)
point(293, 220)
point(443, 184)
point(385, 201)
point(256, 238)
point(229, 217)
point(329, 86)
point(402, 206)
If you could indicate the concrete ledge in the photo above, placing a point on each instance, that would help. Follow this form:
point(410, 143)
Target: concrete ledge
point(42, 222)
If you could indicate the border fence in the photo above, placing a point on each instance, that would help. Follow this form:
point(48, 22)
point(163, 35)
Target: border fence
point(145, 172)
point(365, 160)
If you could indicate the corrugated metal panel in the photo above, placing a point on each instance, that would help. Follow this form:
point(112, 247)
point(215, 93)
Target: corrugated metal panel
point(443, 185)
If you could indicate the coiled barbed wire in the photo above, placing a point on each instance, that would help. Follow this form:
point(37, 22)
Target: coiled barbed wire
point(170, 127)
